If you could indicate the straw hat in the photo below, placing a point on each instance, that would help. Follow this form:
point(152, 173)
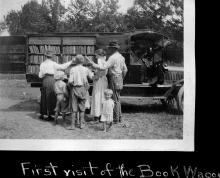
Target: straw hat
point(100, 52)
point(113, 44)
point(49, 53)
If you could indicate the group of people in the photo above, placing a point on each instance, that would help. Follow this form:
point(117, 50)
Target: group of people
point(60, 94)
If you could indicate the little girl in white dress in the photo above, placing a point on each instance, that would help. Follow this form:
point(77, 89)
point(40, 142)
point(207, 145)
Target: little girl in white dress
point(107, 109)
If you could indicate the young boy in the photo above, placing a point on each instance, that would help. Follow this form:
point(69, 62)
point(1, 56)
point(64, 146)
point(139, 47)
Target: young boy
point(62, 95)
point(78, 80)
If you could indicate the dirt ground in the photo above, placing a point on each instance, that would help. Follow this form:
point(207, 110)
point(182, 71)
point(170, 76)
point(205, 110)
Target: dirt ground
point(19, 117)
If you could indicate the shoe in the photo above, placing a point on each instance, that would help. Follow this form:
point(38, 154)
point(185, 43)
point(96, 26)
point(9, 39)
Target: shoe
point(49, 118)
point(41, 117)
point(96, 119)
point(70, 127)
point(55, 121)
point(81, 126)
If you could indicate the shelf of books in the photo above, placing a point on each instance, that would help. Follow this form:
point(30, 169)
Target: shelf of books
point(37, 47)
point(65, 49)
point(78, 45)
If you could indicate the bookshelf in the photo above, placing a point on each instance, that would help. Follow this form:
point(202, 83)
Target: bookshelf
point(65, 48)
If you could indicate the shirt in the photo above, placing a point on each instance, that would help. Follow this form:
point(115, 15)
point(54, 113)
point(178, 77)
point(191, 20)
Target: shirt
point(101, 63)
point(108, 106)
point(115, 64)
point(60, 87)
point(79, 75)
point(50, 67)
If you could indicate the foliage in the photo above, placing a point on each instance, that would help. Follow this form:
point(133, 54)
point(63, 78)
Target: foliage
point(164, 16)
point(3, 26)
point(13, 22)
point(35, 17)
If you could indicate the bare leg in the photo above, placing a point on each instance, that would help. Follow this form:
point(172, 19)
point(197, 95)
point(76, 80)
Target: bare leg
point(104, 126)
point(72, 123)
point(56, 118)
point(81, 120)
point(109, 126)
point(63, 116)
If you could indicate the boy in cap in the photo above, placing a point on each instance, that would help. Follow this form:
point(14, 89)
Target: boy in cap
point(78, 80)
point(62, 95)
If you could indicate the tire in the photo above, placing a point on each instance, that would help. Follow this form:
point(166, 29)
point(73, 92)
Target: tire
point(180, 99)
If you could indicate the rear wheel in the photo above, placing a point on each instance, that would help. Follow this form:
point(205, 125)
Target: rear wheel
point(168, 102)
point(180, 99)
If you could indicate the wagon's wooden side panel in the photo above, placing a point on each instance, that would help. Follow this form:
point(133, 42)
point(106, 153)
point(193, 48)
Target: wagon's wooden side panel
point(12, 54)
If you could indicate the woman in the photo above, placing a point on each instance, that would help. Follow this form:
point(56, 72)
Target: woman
point(100, 83)
point(47, 71)
point(117, 71)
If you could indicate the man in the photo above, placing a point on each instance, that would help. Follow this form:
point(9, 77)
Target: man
point(79, 84)
point(117, 71)
point(47, 71)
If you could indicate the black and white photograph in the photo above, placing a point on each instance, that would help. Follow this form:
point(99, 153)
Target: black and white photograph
point(97, 75)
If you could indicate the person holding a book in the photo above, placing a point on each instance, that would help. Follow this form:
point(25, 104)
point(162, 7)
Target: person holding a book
point(48, 96)
point(117, 70)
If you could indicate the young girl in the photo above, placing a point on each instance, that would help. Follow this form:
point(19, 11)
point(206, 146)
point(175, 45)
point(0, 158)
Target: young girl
point(100, 83)
point(62, 95)
point(107, 109)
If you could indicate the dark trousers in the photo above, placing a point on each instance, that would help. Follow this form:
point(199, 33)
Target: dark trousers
point(48, 96)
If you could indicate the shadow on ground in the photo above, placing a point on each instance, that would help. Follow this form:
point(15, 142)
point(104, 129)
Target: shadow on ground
point(33, 105)
point(26, 105)
point(148, 108)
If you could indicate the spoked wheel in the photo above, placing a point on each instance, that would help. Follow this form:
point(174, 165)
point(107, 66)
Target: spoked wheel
point(169, 102)
point(180, 99)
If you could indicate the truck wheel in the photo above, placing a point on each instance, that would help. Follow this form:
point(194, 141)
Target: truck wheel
point(168, 103)
point(180, 99)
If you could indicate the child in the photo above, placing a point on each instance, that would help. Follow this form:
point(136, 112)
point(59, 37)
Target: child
point(107, 109)
point(62, 95)
point(78, 81)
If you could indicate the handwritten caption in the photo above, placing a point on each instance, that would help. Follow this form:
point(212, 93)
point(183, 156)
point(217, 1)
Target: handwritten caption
point(109, 170)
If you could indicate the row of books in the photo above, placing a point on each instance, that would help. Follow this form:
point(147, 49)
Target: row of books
point(38, 59)
point(44, 48)
point(66, 49)
point(68, 58)
point(78, 49)
point(33, 69)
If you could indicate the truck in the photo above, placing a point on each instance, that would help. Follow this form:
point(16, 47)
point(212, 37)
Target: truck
point(148, 74)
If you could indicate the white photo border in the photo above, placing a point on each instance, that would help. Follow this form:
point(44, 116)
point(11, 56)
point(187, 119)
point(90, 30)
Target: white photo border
point(185, 144)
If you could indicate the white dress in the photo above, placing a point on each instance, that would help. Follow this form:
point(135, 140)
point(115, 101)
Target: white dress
point(107, 111)
point(98, 89)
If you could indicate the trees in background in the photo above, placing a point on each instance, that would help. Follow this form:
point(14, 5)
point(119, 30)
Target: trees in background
point(36, 18)
point(165, 16)
point(13, 22)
